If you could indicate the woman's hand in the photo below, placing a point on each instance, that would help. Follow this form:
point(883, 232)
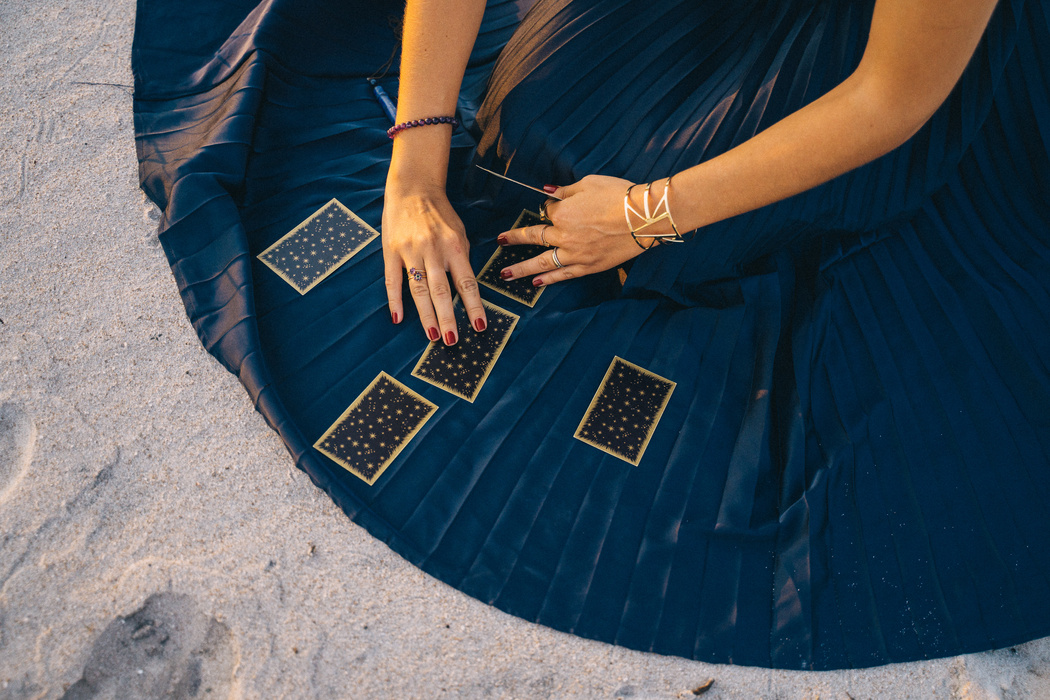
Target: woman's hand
point(421, 230)
point(588, 228)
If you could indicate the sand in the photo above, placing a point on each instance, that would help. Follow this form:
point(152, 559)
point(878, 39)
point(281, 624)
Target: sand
point(148, 551)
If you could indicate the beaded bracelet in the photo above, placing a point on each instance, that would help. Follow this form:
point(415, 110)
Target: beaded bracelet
point(398, 128)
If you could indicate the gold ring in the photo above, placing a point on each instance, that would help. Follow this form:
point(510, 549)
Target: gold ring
point(554, 257)
point(543, 208)
point(417, 274)
point(543, 238)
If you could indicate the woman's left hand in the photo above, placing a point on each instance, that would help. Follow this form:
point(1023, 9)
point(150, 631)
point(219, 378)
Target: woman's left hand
point(587, 228)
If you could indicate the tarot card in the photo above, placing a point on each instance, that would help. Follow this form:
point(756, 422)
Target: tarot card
point(462, 369)
point(623, 415)
point(519, 289)
point(317, 247)
point(376, 427)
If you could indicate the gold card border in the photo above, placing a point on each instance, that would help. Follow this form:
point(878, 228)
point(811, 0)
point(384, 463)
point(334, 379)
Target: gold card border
point(357, 402)
point(656, 418)
point(496, 355)
point(335, 266)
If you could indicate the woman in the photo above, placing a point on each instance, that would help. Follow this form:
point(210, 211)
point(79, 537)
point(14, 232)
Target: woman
point(851, 467)
point(914, 56)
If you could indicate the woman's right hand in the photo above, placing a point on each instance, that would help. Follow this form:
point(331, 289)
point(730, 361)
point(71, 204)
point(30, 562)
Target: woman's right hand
point(421, 230)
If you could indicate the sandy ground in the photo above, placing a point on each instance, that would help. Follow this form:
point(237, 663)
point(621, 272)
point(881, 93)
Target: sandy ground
point(147, 551)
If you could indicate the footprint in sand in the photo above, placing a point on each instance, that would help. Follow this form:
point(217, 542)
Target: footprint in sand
point(165, 649)
point(17, 439)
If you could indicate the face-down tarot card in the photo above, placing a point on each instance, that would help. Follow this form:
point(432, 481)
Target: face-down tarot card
point(375, 428)
point(319, 246)
point(624, 413)
point(462, 369)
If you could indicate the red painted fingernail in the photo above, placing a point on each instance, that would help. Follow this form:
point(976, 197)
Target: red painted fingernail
point(432, 333)
point(550, 189)
point(479, 323)
point(537, 282)
point(506, 274)
point(395, 317)
point(450, 338)
point(502, 239)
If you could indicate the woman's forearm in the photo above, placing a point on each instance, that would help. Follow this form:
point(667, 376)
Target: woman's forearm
point(437, 39)
point(421, 230)
point(916, 52)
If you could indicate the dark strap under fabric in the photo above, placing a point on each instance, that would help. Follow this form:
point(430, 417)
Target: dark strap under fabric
point(852, 468)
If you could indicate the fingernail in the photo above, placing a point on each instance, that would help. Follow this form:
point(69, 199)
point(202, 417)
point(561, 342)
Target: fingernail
point(395, 317)
point(550, 189)
point(506, 274)
point(502, 239)
point(432, 333)
point(450, 338)
point(537, 282)
point(479, 324)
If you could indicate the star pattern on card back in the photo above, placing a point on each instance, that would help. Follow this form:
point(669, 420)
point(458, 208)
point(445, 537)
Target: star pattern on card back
point(375, 428)
point(625, 410)
point(318, 246)
point(462, 369)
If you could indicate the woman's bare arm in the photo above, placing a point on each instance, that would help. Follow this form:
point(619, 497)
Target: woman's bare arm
point(438, 36)
point(916, 52)
point(420, 228)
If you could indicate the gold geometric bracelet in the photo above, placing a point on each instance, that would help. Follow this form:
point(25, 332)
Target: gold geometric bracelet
point(651, 217)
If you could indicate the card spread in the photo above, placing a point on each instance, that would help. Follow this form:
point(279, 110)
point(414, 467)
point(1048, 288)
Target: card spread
point(462, 369)
point(623, 415)
point(519, 289)
point(317, 247)
point(376, 427)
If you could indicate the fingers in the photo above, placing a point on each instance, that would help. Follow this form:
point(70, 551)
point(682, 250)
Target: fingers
point(433, 297)
point(420, 291)
point(544, 262)
point(441, 297)
point(568, 190)
point(543, 234)
point(467, 286)
point(558, 275)
point(392, 273)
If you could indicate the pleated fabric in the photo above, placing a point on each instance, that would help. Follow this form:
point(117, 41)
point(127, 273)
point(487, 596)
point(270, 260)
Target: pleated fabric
point(852, 469)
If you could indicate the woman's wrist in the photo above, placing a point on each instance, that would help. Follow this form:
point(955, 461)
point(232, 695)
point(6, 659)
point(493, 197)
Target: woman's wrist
point(638, 209)
point(421, 156)
point(410, 183)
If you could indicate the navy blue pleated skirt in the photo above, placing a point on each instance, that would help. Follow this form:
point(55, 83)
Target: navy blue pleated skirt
point(853, 467)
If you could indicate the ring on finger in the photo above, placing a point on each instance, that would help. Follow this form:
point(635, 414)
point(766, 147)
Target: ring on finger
point(417, 274)
point(543, 236)
point(543, 208)
point(554, 257)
